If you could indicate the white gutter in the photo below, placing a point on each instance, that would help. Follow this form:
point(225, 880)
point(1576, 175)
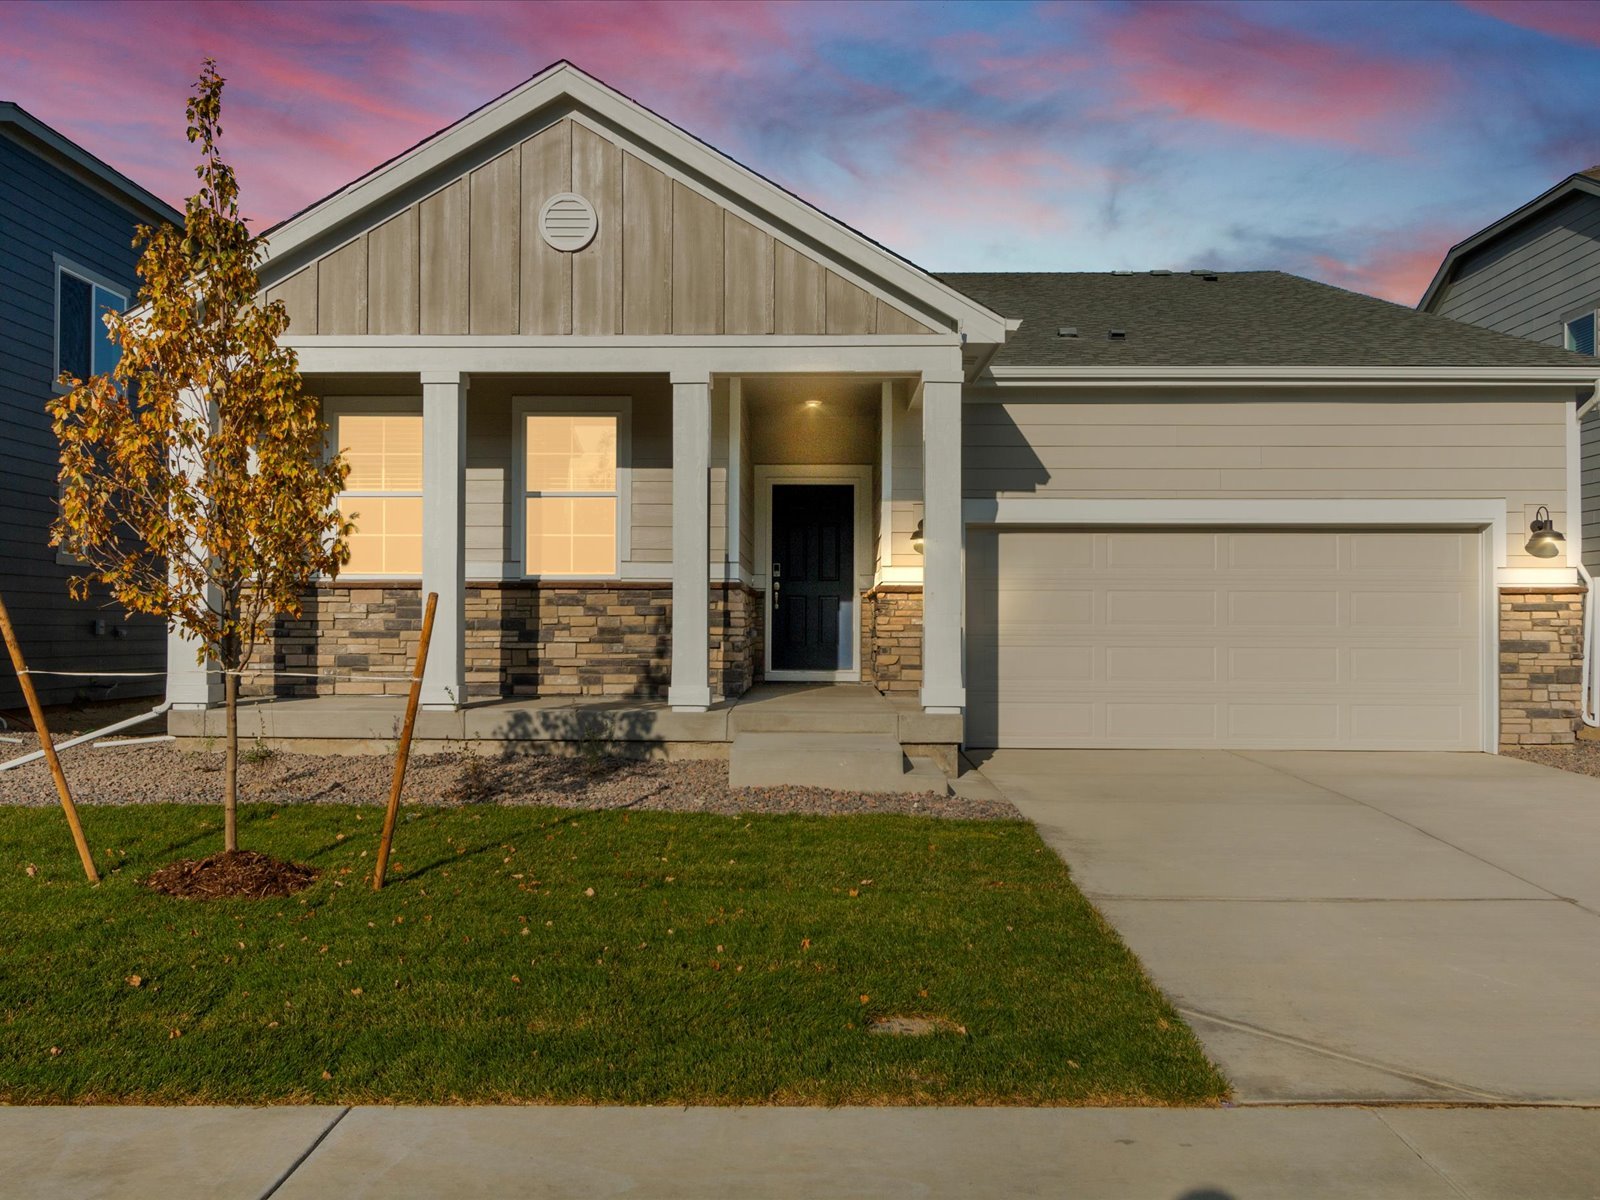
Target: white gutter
point(1589, 699)
point(1139, 376)
point(115, 727)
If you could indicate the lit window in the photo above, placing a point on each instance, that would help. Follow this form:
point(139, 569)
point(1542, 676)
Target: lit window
point(570, 498)
point(382, 495)
point(1580, 334)
point(83, 344)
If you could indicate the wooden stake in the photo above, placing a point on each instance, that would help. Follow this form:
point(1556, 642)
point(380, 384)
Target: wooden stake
point(403, 756)
point(36, 710)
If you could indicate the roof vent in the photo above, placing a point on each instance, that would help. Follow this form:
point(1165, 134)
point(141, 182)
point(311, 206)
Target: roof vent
point(1161, 272)
point(1122, 272)
point(1067, 331)
point(1116, 335)
point(1208, 276)
point(567, 222)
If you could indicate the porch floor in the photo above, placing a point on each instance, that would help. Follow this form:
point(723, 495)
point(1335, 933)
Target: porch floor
point(372, 723)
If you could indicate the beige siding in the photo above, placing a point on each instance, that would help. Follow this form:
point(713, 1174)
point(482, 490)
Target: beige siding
point(546, 294)
point(495, 264)
point(1307, 444)
point(444, 220)
point(666, 259)
point(392, 275)
point(299, 295)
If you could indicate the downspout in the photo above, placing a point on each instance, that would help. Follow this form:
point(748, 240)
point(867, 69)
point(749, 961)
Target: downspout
point(1589, 705)
point(115, 727)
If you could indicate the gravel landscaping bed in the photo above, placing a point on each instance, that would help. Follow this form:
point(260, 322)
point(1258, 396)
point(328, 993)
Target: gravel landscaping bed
point(162, 774)
point(1581, 758)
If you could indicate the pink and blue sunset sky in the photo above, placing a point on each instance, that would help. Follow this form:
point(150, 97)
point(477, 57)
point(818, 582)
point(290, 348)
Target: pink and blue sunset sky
point(1352, 141)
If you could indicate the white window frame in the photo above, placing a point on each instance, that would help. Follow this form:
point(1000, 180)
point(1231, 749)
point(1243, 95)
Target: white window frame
point(858, 477)
point(94, 279)
point(620, 407)
point(335, 407)
point(1577, 314)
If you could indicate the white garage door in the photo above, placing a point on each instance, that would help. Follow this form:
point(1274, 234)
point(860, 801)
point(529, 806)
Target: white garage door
point(1249, 639)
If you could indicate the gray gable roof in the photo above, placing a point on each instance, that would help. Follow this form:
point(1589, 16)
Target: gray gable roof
point(1230, 319)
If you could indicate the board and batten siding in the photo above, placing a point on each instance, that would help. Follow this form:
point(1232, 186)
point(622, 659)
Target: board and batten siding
point(44, 211)
point(469, 259)
point(1293, 444)
point(1527, 282)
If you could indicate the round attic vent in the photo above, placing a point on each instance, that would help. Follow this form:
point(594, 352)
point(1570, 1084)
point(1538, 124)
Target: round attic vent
point(568, 222)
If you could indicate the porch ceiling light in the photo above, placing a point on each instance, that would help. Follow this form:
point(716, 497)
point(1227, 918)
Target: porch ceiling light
point(1543, 539)
point(813, 403)
point(916, 538)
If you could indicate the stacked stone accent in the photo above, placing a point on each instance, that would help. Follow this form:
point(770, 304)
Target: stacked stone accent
point(1541, 672)
point(891, 637)
point(736, 654)
point(522, 639)
point(357, 631)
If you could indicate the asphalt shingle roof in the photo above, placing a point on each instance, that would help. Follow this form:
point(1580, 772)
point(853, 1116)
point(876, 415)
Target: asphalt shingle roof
point(1233, 319)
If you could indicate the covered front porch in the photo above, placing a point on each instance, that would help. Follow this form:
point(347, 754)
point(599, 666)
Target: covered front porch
point(748, 473)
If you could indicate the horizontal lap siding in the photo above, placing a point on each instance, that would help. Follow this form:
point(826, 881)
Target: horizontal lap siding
point(1318, 446)
point(45, 211)
point(665, 260)
point(1528, 283)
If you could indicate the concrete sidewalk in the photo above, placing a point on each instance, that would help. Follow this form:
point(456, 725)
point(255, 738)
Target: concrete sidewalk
point(708, 1153)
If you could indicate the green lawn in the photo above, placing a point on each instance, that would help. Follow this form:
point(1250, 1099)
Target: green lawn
point(523, 954)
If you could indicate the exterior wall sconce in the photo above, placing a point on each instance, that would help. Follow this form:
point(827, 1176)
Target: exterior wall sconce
point(916, 538)
point(1543, 539)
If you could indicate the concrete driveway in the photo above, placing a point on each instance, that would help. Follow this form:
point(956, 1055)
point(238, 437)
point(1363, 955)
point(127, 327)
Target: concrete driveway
point(1347, 926)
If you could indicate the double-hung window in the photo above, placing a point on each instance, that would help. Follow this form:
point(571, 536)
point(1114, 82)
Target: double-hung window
point(83, 344)
point(382, 495)
point(573, 481)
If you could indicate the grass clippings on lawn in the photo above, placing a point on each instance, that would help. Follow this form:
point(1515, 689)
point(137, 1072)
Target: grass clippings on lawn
point(542, 956)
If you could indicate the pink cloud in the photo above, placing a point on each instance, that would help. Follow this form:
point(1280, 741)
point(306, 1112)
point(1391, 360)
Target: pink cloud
point(1567, 19)
point(1398, 266)
point(1210, 64)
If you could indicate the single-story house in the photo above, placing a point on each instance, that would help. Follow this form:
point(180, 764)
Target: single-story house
point(654, 429)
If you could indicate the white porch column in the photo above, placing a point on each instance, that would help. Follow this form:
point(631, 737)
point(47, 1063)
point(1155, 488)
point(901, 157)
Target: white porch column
point(943, 689)
point(191, 683)
point(690, 689)
point(444, 554)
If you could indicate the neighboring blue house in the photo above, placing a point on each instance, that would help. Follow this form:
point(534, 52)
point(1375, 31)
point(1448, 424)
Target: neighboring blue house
point(66, 254)
point(1535, 273)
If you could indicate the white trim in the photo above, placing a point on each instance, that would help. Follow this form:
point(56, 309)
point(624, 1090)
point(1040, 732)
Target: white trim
point(620, 407)
point(1574, 467)
point(1534, 577)
point(886, 478)
point(334, 407)
point(733, 489)
point(61, 263)
point(1486, 515)
point(1197, 376)
point(859, 478)
point(563, 89)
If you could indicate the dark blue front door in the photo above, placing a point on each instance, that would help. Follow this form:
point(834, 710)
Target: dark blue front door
point(813, 569)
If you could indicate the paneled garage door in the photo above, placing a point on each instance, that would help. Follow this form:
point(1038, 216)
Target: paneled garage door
point(1246, 639)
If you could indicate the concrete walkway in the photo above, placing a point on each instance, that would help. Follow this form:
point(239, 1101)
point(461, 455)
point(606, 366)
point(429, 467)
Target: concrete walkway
point(705, 1154)
point(1347, 926)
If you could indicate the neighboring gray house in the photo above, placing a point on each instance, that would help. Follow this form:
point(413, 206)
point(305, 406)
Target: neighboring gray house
point(653, 428)
point(66, 253)
point(1535, 273)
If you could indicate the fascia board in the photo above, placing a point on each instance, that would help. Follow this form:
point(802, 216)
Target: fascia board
point(1208, 376)
point(1569, 185)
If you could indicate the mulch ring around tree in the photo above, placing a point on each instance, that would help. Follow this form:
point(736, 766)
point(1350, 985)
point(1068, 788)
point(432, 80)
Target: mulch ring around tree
point(232, 875)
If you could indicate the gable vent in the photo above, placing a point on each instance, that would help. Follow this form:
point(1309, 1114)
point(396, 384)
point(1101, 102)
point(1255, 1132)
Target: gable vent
point(567, 222)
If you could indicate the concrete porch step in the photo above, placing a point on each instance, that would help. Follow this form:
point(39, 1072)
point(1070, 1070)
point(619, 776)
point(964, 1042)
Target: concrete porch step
point(853, 762)
point(843, 718)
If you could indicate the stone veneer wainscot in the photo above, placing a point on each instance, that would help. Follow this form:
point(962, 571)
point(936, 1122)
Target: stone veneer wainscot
point(1541, 666)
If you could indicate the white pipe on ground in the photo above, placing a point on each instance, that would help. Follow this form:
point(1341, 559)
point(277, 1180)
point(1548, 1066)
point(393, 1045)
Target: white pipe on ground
point(1589, 706)
point(119, 743)
point(117, 726)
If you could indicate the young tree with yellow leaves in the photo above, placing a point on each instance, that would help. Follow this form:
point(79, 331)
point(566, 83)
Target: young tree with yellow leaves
point(195, 479)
